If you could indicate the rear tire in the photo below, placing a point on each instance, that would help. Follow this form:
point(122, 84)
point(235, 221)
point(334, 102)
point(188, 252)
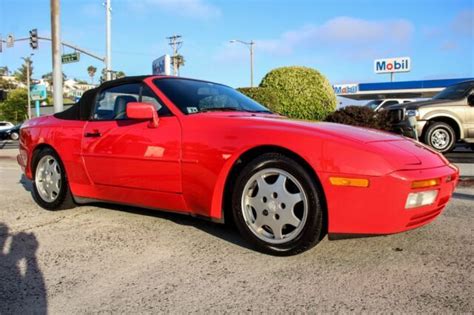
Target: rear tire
point(50, 186)
point(440, 136)
point(276, 205)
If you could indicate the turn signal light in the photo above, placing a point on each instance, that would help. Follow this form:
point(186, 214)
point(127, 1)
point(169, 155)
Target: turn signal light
point(425, 183)
point(353, 182)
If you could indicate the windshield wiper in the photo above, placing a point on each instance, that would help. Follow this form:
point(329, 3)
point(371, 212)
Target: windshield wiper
point(218, 109)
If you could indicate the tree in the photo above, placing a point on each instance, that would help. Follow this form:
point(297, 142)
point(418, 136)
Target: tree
point(21, 73)
point(302, 92)
point(91, 70)
point(14, 108)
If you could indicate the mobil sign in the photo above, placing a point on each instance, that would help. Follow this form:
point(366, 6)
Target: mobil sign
point(388, 65)
point(340, 89)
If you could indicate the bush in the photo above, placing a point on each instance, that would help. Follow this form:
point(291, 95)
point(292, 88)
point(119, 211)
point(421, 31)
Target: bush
point(263, 96)
point(302, 93)
point(14, 108)
point(361, 116)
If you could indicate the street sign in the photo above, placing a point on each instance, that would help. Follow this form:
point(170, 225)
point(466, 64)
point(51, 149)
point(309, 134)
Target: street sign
point(38, 92)
point(69, 58)
point(10, 41)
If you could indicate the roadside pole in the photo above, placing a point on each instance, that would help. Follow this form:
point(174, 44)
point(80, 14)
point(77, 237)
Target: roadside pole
point(37, 107)
point(28, 65)
point(108, 48)
point(56, 52)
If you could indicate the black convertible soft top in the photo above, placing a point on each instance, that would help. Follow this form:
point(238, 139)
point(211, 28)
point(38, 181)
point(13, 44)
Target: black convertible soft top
point(82, 109)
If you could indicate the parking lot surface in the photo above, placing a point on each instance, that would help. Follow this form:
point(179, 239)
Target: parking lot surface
point(107, 258)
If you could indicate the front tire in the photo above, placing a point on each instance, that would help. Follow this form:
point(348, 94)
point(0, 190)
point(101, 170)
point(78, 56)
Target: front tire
point(277, 205)
point(50, 187)
point(441, 137)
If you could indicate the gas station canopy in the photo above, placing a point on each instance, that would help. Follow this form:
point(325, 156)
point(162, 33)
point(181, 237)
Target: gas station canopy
point(401, 89)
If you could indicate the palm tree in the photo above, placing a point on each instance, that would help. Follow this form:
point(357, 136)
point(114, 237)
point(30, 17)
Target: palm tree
point(91, 70)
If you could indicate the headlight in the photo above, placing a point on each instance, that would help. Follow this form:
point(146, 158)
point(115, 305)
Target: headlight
point(422, 198)
point(412, 113)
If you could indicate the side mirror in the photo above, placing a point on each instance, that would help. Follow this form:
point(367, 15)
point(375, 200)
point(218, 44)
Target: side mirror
point(142, 111)
point(470, 100)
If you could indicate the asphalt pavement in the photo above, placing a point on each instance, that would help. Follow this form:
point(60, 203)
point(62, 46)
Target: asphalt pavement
point(111, 259)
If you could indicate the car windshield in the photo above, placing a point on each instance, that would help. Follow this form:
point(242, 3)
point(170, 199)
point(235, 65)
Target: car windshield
point(192, 96)
point(454, 92)
point(373, 104)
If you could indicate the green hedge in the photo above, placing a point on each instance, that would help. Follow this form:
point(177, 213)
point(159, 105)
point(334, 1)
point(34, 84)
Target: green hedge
point(361, 116)
point(264, 96)
point(301, 92)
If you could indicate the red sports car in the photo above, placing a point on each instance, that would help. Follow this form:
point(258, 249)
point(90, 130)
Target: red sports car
point(204, 149)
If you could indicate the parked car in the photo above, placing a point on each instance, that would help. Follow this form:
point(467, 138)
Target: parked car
point(377, 105)
point(204, 149)
point(12, 133)
point(441, 121)
point(5, 125)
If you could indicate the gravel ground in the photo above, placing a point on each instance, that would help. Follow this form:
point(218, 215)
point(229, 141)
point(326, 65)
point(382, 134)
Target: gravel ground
point(116, 259)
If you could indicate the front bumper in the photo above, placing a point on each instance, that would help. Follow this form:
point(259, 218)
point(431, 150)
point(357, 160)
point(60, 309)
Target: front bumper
point(380, 208)
point(403, 127)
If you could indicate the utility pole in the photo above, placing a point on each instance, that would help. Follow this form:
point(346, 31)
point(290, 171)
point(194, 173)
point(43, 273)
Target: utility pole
point(175, 43)
point(108, 35)
point(56, 52)
point(251, 62)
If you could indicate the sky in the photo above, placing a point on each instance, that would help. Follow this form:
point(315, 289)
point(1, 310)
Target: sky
point(340, 38)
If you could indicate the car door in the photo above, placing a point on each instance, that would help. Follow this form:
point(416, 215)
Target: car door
point(132, 154)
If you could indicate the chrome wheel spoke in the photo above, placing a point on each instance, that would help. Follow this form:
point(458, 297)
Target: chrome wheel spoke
point(291, 219)
point(277, 231)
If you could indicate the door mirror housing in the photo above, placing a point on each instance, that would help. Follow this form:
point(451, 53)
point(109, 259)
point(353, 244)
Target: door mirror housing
point(143, 111)
point(470, 100)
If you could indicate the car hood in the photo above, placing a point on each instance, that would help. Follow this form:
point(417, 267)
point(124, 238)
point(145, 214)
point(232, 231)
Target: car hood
point(357, 134)
point(403, 153)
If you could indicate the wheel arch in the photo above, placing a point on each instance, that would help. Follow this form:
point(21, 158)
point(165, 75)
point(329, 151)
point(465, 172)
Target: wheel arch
point(250, 154)
point(34, 153)
point(452, 121)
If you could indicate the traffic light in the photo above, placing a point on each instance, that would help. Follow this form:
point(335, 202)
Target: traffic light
point(34, 38)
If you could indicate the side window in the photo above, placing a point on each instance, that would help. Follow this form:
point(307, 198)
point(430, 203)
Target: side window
point(147, 96)
point(111, 103)
point(389, 103)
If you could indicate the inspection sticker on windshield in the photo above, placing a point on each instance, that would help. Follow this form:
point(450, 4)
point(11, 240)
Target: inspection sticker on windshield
point(192, 110)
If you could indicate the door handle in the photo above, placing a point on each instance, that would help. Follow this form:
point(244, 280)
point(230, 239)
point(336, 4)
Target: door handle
point(94, 134)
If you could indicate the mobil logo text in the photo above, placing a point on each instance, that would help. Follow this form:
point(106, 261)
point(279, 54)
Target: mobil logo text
point(387, 65)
